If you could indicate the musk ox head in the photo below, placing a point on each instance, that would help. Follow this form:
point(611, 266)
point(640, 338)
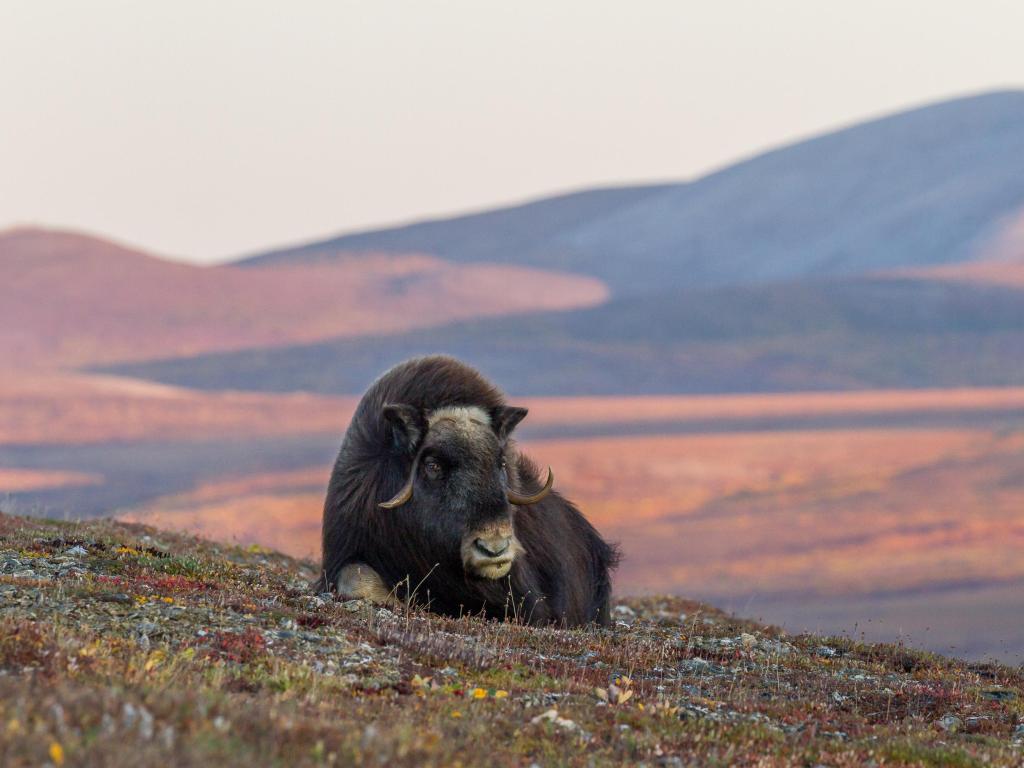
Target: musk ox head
point(461, 491)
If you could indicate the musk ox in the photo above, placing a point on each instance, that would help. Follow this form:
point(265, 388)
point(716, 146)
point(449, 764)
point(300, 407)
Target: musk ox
point(430, 500)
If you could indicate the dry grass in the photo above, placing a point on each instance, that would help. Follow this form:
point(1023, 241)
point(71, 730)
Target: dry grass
point(55, 407)
point(146, 647)
point(656, 409)
point(58, 408)
point(15, 480)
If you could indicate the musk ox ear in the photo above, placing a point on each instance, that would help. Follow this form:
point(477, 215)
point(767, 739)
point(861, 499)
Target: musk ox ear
point(408, 426)
point(505, 418)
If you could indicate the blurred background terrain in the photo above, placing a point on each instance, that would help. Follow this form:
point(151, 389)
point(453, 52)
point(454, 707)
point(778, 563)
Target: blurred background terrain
point(792, 385)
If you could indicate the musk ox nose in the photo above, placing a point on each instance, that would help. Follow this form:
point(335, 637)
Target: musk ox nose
point(493, 547)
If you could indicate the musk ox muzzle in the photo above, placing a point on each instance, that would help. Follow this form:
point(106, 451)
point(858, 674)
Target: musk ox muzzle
point(489, 552)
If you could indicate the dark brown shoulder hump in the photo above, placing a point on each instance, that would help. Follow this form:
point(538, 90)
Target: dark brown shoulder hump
point(435, 381)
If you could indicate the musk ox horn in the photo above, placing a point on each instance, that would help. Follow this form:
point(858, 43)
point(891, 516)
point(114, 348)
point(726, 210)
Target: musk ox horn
point(403, 495)
point(400, 498)
point(515, 498)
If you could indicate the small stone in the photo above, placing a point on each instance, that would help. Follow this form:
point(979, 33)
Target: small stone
point(1018, 735)
point(145, 723)
point(167, 737)
point(973, 724)
point(77, 551)
point(950, 723)
point(999, 694)
point(624, 611)
point(115, 597)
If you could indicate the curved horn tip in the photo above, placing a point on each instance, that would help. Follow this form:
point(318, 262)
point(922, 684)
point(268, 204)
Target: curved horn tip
point(402, 496)
point(519, 500)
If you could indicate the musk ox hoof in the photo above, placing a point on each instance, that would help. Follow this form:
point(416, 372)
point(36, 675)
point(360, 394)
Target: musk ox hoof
point(358, 580)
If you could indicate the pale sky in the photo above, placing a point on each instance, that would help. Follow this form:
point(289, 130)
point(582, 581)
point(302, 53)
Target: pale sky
point(204, 129)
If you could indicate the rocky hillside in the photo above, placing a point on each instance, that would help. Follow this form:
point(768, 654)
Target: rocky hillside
point(124, 645)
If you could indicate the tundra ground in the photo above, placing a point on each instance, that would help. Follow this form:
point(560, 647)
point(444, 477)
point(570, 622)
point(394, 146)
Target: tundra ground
point(126, 645)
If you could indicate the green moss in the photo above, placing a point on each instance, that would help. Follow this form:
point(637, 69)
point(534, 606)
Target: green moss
point(915, 753)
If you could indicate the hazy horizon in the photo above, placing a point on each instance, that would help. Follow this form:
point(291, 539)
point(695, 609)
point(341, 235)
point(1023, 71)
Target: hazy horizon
point(203, 134)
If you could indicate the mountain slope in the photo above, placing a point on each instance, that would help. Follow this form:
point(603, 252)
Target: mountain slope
point(838, 334)
point(70, 299)
point(924, 187)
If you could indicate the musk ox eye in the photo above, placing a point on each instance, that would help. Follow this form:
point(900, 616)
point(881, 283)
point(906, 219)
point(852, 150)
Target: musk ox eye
point(432, 469)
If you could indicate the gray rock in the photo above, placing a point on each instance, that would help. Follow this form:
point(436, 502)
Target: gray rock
point(116, 597)
point(950, 723)
point(999, 694)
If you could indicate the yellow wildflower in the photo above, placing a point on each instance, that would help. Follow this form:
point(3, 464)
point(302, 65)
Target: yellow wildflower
point(155, 659)
point(56, 753)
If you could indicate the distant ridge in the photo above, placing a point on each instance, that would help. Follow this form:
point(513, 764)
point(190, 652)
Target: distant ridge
point(923, 187)
point(839, 334)
point(859, 259)
point(73, 299)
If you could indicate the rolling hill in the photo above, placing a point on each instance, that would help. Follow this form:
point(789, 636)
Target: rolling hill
point(924, 187)
point(861, 333)
point(887, 254)
point(69, 299)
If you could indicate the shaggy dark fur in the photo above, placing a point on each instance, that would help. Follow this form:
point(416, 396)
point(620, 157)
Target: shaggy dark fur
point(563, 577)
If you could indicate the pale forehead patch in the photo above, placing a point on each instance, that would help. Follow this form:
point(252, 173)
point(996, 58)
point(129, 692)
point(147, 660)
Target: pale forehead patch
point(470, 422)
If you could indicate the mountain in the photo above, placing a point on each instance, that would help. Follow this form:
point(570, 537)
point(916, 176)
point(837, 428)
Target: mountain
point(838, 334)
point(73, 299)
point(929, 186)
point(888, 254)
